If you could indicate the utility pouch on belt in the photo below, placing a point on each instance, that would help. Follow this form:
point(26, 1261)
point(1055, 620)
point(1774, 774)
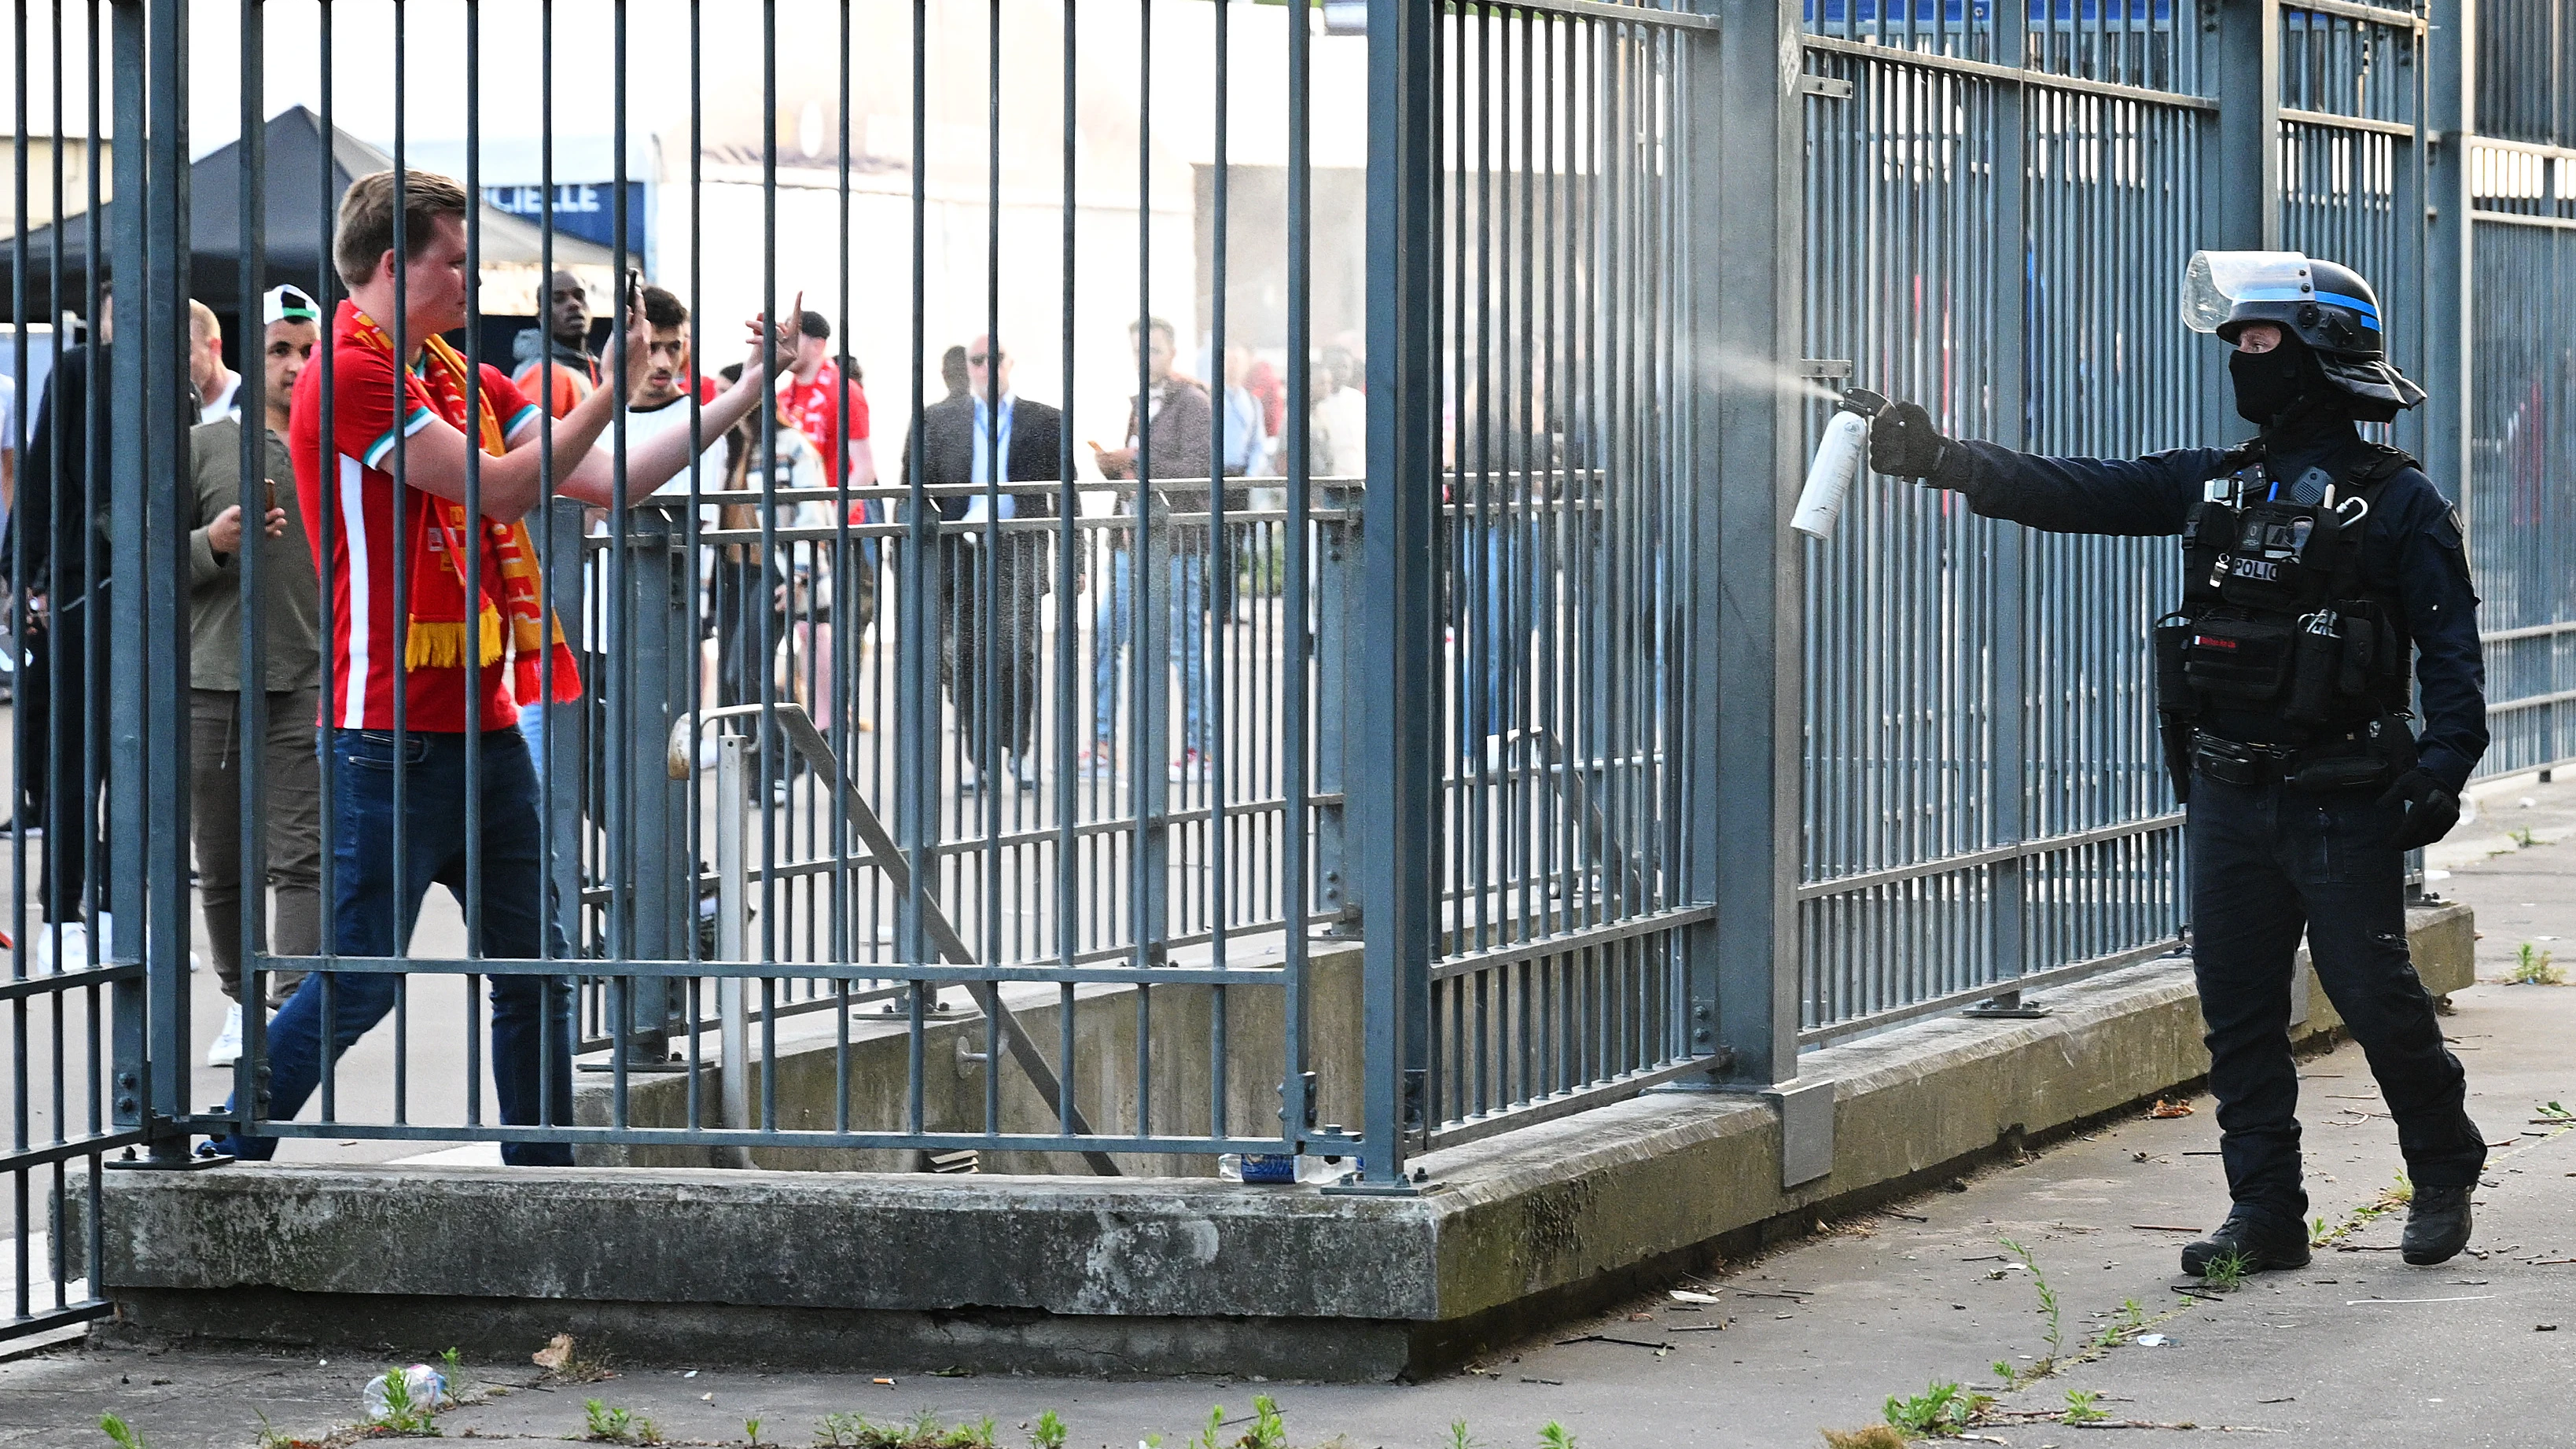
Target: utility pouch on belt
point(2316, 668)
point(2373, 754)
point(2173, 682)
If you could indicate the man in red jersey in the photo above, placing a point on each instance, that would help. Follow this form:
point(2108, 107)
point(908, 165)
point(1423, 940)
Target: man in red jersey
point(816, 393)
point(425, 647)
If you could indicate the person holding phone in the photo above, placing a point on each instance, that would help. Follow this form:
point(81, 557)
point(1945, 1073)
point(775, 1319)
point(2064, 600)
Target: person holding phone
point(286, 613)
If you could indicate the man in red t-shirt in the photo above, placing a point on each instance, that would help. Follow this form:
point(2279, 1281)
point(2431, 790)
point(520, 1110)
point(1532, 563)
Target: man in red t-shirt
point(425, 648)
point(816, 393)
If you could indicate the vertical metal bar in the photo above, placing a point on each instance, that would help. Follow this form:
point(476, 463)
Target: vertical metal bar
point(917, 709)
point(2005, 783)
point(327, 551)
point(22, 951)
point(469, 659)
point(1397, 764)
point(733, 901)
point(1216, 587)
point(2449, 121)
point(2249, 125)
point(559, 892)
point(148, 888)
point(1297, 890)
point(1759, 632)
point(251, 760)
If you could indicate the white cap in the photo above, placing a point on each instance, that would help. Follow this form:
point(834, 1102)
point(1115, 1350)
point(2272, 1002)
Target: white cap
point(280, 304)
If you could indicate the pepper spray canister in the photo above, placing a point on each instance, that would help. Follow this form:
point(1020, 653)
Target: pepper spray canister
point(1839, 457)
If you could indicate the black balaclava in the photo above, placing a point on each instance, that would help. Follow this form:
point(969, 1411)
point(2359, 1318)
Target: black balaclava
point(2283, 390)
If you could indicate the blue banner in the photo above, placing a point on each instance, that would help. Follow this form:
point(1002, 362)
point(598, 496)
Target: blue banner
point(583, 209)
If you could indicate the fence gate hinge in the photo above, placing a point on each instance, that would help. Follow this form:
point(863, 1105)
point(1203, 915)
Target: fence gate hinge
point(1829, 87)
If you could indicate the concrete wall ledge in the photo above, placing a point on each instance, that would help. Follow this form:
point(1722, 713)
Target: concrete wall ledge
point(1075, 1275)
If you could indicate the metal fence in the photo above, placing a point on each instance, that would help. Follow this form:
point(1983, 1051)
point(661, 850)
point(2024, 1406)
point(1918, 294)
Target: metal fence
point(1493, 652)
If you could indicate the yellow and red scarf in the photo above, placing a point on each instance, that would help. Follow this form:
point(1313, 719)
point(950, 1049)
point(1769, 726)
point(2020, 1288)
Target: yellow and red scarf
point(435, 628)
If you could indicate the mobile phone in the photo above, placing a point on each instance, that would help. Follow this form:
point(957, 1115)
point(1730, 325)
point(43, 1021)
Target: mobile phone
point(272, 493)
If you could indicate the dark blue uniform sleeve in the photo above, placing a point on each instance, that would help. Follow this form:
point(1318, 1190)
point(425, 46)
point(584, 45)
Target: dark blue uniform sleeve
point(2439, 606)
point(2140, 497)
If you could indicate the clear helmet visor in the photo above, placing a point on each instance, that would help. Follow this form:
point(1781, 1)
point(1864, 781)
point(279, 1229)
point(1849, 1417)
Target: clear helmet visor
point(2215, 282)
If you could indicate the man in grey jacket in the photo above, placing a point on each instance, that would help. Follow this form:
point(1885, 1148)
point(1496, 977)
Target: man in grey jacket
point(290, 796)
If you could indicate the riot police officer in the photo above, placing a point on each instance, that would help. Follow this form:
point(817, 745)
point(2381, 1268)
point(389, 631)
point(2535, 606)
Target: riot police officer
point(2317, 567)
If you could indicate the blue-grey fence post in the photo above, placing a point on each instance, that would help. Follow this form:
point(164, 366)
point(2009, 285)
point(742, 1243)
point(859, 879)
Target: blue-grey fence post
point(123, 472)
point(1394, 766)
point(2446, 125)
point(2450, 242)
point(567, 736)
point(154, 598)
point(1746, 778)
point(1339, 591)
point(663, 893)
point(2242, 164)
point(2007, 782)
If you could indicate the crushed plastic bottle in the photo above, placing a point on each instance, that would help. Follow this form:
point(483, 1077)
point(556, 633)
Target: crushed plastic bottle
point(427, 1385)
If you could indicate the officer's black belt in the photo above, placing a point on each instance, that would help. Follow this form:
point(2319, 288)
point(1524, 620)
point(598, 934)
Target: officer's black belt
point(2235, 762)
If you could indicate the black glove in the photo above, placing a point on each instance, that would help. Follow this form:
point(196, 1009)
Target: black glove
point(2431, 811)
point(1904, 444)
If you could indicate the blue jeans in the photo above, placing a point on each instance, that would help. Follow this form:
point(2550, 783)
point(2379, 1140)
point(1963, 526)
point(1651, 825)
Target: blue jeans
point(372, 914)
point(1188, 597)
point(2266, 863)
point(1506, 597)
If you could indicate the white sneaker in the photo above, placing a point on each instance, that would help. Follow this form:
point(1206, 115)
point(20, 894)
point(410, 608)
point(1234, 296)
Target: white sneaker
point(1100, 762)
point(1190, 769)
point(74, 953)
point(227, 1046)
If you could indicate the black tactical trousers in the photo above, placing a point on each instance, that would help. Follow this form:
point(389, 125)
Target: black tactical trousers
point(2267, 862)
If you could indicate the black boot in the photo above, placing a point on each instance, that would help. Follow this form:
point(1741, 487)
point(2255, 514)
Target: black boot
point(2258, 1240)
point(2437, 1226)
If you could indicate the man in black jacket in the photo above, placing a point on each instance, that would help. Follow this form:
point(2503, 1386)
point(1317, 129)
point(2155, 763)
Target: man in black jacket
point(991, 573)
point(61, 716)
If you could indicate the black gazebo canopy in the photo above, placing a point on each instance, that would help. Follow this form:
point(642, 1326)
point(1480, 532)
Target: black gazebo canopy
point(296, 212)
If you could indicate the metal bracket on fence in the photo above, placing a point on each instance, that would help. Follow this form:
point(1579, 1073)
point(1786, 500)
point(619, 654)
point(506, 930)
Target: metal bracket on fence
point(1829, 87)
point(2005, 1006)
point(1806, 1129)
point(1836, 367)
point(802, 736)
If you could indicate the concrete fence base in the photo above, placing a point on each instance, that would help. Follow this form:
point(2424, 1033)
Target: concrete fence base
point(1056, 1274)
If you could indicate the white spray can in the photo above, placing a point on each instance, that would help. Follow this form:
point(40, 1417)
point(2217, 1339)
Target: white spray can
point(1837, 465)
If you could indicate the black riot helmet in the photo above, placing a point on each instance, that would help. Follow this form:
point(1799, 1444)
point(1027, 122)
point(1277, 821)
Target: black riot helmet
point(2325, 305)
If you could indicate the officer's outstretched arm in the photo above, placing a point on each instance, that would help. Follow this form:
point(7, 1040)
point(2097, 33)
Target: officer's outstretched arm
point(2133, 496)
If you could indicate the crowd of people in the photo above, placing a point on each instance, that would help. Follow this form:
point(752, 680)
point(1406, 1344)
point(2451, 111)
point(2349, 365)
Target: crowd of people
point(437, 625)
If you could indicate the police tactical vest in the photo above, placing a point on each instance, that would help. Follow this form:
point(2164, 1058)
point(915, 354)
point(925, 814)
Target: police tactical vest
point(2275, 618)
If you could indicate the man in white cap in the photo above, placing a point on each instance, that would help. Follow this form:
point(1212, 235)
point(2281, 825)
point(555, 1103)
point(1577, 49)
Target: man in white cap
point(286, 614)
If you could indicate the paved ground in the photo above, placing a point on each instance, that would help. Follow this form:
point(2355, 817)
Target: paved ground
point(2358, 1350)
